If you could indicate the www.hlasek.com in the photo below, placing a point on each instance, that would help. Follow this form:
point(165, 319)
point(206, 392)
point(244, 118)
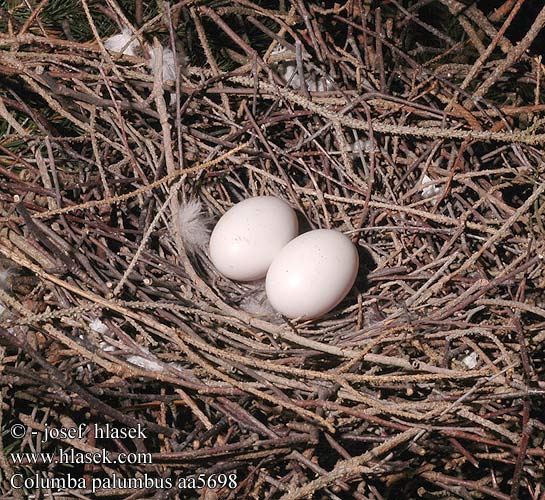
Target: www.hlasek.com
point(72, 456)
point(115, 481)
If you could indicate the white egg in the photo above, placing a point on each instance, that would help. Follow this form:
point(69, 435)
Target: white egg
point(249, 236)
point(312, 274)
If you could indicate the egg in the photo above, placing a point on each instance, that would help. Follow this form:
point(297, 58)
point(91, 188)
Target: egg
point(312, 274)
point(248, 237)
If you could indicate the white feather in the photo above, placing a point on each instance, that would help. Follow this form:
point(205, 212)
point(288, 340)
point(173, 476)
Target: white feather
point(359, 146)
point(278, 49)
point(145, 363)
point(313, 82)
point(106, 347)
point(471, 360)
point(194, 226)
point(123, 42)
point(98, 326)
point(323, 84)
point(4, 275)
point(290, 74)
point(429, 191)
point(169, 68)
point(256, 302)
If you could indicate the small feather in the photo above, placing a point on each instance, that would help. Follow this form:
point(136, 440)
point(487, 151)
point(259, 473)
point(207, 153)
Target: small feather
point(256, 302)
point(169, 68)
point(359, 146)
point(313, 82)
point(145, 363)
point(194, 226)
point(123, 42)
point(471, 360)
point(429, 191)
point(98, 326)
point(4, 279)
point(290, 74)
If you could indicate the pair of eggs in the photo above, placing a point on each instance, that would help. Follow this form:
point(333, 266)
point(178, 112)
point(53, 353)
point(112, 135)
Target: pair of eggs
point(306, 275)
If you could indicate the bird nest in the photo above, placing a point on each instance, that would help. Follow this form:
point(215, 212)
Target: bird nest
point(422, 146)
